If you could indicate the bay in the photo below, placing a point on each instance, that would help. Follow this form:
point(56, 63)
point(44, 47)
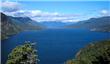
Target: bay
point(54, 46)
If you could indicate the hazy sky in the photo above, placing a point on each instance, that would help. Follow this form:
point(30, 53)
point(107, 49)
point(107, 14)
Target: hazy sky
point(55, 0)
point(57, 10)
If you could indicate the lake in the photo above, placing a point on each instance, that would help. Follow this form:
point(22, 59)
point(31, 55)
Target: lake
point(54, 46)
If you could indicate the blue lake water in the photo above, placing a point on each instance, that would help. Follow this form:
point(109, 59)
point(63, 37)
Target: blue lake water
point(54, 46)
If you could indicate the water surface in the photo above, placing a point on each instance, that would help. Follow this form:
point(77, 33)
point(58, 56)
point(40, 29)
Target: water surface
point(54, 46)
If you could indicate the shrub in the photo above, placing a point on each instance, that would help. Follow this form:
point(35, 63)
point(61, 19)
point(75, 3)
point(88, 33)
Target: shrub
point(23, 54)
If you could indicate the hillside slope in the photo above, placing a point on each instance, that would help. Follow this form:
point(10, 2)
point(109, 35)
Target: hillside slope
point(94, 24)
point(12, 25)
point(96, 53)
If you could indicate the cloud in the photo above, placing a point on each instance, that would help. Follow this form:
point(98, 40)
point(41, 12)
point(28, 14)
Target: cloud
point(105, 12)
point(56, 18)
point(40, 16)
point(53, 16)
point(13, 9)
point(10, 6)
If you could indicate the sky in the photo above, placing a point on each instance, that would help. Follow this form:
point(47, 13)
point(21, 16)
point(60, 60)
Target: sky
point(65, 11)
point(54, 0)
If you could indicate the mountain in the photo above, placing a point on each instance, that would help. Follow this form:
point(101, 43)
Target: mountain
point(94, 24)
point(13, 25)
point(26, 23)
point(55, 24)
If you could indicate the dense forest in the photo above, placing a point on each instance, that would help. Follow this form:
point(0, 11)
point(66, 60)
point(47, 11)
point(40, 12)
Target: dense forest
point(95, 53)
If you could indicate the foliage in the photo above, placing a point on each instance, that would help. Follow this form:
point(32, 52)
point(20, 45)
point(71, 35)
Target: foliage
point(97, 53)
point(23, 54)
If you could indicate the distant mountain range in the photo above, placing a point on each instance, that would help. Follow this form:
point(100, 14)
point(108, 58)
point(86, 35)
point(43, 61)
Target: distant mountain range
point(12, 25)
point(94, 24)
point(55, 24)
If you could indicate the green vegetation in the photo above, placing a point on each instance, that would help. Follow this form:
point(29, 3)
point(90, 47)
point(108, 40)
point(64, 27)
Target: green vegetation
point(23, 54)
point(97, 53)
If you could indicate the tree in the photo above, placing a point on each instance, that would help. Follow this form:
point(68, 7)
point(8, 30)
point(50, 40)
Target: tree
point(97, 53)
point(23, 54)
